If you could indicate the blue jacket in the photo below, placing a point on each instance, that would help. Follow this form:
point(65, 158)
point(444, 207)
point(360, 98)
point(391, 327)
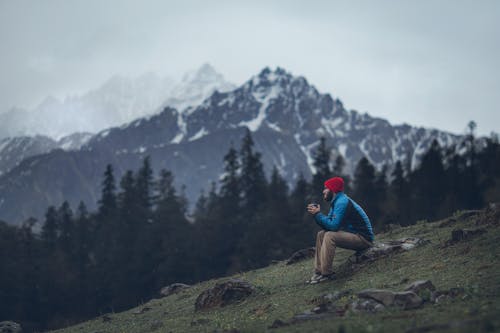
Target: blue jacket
point(346, 215)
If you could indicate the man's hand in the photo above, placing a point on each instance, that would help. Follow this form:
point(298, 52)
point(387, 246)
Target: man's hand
point(313, 209)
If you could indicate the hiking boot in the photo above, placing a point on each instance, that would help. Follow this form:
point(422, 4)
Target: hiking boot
point(323, 278)
point(315, 277)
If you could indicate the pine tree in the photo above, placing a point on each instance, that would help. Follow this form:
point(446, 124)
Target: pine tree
point(50, 228)
point(365, 190)
point(322, 166)
point(429, 185)
point(65, 215)
point(399, 196)
point(253, 180)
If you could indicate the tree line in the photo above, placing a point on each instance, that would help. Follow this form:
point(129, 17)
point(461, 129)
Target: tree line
point(141, 237)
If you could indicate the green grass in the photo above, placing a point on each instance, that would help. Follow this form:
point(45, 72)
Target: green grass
point(282, 293)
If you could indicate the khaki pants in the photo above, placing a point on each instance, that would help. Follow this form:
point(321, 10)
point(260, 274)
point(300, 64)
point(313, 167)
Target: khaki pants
point(327, 241)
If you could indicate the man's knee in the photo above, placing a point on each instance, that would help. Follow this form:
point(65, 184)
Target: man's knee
point(320, 234)
point(330, 236)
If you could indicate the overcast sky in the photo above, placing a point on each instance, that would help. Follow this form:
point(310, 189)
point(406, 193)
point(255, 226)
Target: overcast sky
point(431, 63)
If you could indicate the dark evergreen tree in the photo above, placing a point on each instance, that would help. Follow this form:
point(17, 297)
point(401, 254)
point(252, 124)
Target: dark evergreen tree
point(321, 164)
point(50, 228)
point(365, 190)
point(428, 183)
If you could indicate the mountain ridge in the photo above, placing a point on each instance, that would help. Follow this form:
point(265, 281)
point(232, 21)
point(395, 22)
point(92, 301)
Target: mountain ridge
point(288, 116)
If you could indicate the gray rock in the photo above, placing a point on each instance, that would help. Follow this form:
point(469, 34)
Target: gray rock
point(404, 299)
point(386, 297)
point(224, 293)
point(367, 305)
point(173, 289)
point(386, 248)
point(420, 285)
point(407, 300)
point(10, 327)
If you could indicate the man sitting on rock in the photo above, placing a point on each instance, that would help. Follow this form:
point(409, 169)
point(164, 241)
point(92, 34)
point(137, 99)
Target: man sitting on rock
point(346, 226)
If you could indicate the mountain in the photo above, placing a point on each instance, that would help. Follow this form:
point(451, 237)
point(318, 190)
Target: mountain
point(287, 117)
point(119, 100)
point(14, 150)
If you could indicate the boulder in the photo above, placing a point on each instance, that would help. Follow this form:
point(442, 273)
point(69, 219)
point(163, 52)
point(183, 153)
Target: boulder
point(173, 289)
point(10, 327)
point(224, 293)
point(386, 248)
point(404, 299)
point(301, 255)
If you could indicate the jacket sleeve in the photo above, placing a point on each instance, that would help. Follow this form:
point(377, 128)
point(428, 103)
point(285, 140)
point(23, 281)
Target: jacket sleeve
point(333, 220)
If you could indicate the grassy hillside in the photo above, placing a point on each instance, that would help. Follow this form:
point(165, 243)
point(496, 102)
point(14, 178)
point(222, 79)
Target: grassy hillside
point(281, 292)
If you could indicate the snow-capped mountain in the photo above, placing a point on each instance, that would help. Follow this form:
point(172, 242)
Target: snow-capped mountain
point(119, 100)
point(286, 114)
point(196, 86)
point(14, 150)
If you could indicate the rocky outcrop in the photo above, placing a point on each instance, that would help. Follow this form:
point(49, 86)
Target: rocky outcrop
point(174, 288)
point(224, 293)
point(377, 251)
point(301, 255)
point(10, 327)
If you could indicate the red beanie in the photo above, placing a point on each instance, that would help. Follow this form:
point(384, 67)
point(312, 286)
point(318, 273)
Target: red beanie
point(335, 184)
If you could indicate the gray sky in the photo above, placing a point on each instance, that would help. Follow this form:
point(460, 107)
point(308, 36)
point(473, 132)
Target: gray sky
point(429, 62)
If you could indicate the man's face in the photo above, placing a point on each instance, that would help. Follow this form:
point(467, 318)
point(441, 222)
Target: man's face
point(328, 195)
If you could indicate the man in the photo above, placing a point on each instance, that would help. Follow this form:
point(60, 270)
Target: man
point(346, 226)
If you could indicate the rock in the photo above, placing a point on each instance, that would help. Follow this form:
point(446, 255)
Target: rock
point(301, 255)
point(173, 289)
point(367, 305)
point(386, 248)
point(10, 327)
point(441, 295)
point(458, 235)
point(404, 299)
point(232, 330)
point(407, 300)
point(422, 288)
point(224, 293)
point(386, 297)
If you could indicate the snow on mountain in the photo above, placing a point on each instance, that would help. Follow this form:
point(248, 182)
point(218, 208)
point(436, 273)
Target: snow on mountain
point(119, 100)
point(286, 114)
point(196, 86)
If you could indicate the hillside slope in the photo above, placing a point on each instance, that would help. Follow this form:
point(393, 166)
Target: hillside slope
point(470, 265)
